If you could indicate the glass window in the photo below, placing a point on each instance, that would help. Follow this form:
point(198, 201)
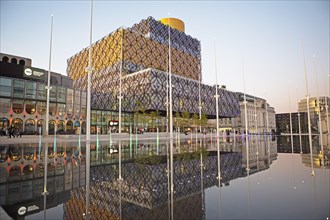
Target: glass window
point(76, 111)
point(69, 96)
point(61, 126)
point(93, 118)
point(18, 106)
point(69, 126)
point(30, 107)
point(53, 94)
point(52, 109)
point(31, 90)
point(19, 89)
point(77, 97)
point(41, 107)
point(61, 109)
point(18, 123)
point(42, 92)
point(4, 123)
point(5, 87)
point(4, 105)
point(83, 112)
point(69, 110)
point(61, 94)
point(83, 99)
point(29, 126)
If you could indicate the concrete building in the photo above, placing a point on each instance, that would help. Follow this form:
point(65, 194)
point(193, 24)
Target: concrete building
point(315, 109)
point(258, 110)
point(283, 122)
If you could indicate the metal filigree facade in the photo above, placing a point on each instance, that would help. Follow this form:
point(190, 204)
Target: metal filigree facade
point(143, 193)
point(141, 52)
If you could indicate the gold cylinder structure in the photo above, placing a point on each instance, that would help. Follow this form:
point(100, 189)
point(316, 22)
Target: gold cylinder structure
point(174, 23)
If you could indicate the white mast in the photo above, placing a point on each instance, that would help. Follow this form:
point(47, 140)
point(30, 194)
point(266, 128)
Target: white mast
point(308, 116)
point(246, 126)
point(320, 120)
point(120, 83)
point(48, 87)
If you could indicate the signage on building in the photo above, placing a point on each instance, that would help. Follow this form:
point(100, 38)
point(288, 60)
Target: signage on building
point(113, 123)
point(34, 73)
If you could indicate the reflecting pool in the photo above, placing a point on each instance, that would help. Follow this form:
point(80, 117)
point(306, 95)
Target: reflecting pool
point(135, 179)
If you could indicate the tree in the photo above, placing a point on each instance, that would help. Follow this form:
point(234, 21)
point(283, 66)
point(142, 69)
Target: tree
point(203, 120)
point(185, 119)
point(178, 119)
point(195, 119)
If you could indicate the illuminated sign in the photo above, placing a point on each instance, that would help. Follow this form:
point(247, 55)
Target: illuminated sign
point(113, 123)
point(22, 210)
point(34, 73)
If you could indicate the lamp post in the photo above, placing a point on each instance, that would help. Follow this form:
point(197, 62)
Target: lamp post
point(308, 116)
point(120, 82)
point(88, 118)
point(246, 126)
point(319, 106)
point(217, 112)
point(48, 87)
point(170, 114)
point(200, 103)
point(326, 110)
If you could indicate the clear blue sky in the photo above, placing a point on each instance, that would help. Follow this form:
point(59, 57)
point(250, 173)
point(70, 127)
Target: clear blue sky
point(265, 37)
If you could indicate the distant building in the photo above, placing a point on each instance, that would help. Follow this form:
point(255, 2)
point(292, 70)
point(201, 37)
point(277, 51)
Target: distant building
point(258, 110)
point(315, 109)
point(283, 122)
point(23, 98)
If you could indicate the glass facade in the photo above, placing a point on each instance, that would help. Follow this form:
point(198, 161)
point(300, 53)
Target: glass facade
point(19, 89)
point(23, 103)
point(5, 87)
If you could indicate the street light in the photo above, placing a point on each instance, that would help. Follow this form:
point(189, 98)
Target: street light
point(48, 87)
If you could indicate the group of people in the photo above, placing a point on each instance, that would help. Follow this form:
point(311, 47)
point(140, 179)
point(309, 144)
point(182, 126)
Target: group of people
point(11, 132)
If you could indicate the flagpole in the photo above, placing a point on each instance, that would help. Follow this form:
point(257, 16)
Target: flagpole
point(88, 124)
point(48, 87)
point(246, 126)
point(320, 120)
point(120, 82)
point(308, 116)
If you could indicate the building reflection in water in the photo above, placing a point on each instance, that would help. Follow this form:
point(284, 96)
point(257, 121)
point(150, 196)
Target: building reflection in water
point(143, 192)
point(284, 146)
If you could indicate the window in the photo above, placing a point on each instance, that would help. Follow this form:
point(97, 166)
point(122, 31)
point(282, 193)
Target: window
point(77, 97)
point(83, 99)
point(61, 94)
point(5, 87)
point(13, 60)
point(31, 90)
point(22, 62)
point(77, 111)
point(69, 102)
point(61, 126)
point(30, 107)
point(42, 93)
point(19, 89)
point(4, 123)
point(18, 106)
point(53, 94)
point(52, 109)
point(4, 105)
point(69, 96)
point(41, 107)
point(61, 109)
